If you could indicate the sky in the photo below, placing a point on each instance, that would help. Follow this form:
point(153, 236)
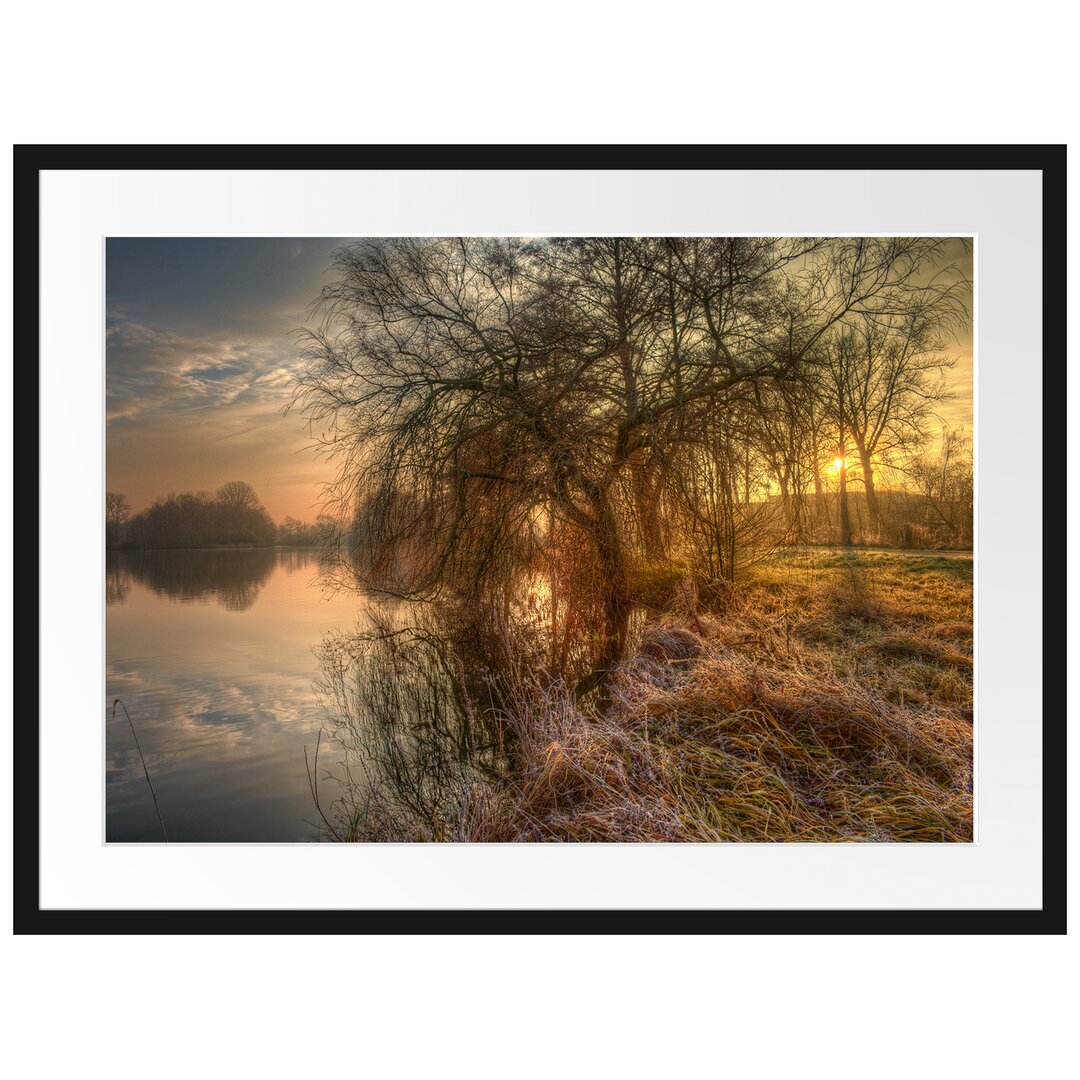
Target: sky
point(960, 411)
point(200, 343)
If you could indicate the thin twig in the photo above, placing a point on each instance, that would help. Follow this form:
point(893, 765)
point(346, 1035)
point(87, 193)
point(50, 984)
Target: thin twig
point(146, 771)
point(313, 783)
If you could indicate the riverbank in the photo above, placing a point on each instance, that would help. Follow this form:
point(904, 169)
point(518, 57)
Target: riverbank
point(826, 697)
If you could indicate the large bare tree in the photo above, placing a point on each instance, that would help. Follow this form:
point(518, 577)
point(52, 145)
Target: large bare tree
point(893, 377)
point(480, 395)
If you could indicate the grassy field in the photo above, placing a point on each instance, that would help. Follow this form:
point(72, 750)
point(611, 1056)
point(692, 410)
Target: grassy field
point(826, 697)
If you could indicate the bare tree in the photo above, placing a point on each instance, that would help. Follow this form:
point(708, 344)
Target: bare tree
point(946, 481)
point(197, 519)
point(472, 390)
point(896, 379)
point(836, 383)
point(117, 511)
point(884, 373)
point(237, 495)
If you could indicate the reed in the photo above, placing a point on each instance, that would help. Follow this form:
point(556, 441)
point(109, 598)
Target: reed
point(146, 771)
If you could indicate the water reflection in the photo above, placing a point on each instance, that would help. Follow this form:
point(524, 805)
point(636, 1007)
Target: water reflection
point(232, 577)
point(411, 713)
point(212, 652)
point(420, 710)
point(117, 579)
point(232, 663)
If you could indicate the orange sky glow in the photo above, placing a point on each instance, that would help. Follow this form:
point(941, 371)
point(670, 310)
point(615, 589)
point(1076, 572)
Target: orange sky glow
point(200, 346)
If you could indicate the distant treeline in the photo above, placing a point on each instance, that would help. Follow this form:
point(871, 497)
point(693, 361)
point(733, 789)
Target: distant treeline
point(903, 519)
point(233, 516)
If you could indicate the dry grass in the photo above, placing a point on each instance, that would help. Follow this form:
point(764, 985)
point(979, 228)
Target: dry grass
point(828, 700)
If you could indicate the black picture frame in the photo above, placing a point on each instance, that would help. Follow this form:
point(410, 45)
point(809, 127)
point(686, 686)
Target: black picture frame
point(30, 160)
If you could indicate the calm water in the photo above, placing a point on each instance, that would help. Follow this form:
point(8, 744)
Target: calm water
point(211, 651)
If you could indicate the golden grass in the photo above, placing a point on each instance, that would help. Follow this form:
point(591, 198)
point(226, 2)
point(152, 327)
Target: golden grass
point(832, 701)
point(825, 698)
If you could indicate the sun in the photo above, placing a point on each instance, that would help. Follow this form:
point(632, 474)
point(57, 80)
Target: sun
point(838, 464)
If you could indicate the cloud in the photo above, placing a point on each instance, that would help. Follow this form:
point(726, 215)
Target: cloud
point(199, 359)
point(188, 412)
point(151, 371)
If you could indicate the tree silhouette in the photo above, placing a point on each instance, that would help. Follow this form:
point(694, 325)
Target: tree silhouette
point(483, 397)
point(117, 510)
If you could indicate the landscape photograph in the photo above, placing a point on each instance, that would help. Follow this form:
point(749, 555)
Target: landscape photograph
point(501, 539)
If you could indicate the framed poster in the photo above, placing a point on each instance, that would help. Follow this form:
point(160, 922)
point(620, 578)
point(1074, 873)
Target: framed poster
point(455, 500)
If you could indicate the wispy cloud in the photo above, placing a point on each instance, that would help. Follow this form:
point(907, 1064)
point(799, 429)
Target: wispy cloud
point(199, 358)
point(189, 413)
point(150, 371)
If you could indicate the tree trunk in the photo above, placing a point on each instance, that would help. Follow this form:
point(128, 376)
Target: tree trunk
point(816, 466)
point(845, 513)
point(871, 494)
point(614, 591)
point(785, 503)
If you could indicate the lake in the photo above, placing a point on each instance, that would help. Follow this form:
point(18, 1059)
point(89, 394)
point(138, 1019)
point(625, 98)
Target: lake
point(212, 653)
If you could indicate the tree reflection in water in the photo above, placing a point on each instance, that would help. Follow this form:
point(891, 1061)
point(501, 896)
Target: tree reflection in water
point(117, 579)
point(232, 577)
point(425, 708)
point(413, 709)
